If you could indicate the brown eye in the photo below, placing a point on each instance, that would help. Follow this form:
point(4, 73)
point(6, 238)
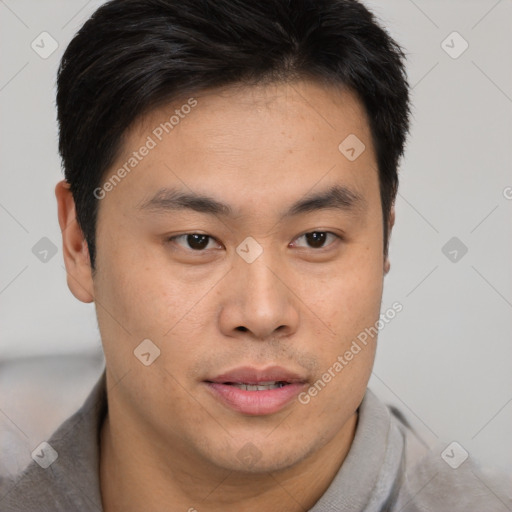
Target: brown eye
point(198, 242)
point(194, 241)
point(316, 239)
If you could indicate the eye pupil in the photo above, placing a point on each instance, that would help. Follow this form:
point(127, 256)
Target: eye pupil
point(197, 241)
point(316, 239)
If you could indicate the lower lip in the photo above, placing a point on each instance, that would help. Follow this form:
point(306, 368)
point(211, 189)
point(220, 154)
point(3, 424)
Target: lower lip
point(256, 403)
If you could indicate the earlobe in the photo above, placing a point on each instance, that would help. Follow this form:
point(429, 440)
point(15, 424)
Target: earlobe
point(74, 246)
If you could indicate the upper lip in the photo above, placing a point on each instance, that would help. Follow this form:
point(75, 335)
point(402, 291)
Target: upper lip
point(251, 375)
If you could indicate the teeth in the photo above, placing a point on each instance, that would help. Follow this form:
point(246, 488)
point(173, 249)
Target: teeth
point(262, 386)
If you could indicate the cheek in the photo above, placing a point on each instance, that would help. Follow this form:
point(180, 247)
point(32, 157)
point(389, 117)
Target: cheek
point(140, 297)
point(129, 298)
point(361, 295)
point(348, 297)
point(135, 287)
point(348, 302)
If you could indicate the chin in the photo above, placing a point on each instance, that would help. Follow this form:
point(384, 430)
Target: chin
point(261, 457)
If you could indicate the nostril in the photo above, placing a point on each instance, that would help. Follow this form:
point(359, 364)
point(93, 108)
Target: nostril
point(242, 328)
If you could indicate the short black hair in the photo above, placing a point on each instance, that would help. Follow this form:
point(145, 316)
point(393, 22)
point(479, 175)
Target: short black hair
point(133, 56)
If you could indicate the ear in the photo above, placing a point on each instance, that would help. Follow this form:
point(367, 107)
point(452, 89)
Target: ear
point(74, 246)
point(391, 223)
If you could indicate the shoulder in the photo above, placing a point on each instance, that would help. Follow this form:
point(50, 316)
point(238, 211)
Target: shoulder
point(63, 475)
point(434, 485)
point(446, 478)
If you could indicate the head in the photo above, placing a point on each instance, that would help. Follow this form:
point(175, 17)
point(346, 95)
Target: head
point(232, 168)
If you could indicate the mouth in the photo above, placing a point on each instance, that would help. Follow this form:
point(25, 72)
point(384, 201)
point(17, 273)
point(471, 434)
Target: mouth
point(261, 386)
point(256, 392)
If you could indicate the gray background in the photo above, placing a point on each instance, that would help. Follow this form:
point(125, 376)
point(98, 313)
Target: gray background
point(445, 360)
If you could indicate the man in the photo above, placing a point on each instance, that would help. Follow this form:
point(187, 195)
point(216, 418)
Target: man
point(231, 170)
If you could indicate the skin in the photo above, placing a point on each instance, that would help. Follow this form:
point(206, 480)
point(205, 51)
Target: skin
point(167, 443)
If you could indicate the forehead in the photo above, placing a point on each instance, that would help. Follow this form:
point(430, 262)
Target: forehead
point(282, 96)
point(323, 108)
point(251, 142)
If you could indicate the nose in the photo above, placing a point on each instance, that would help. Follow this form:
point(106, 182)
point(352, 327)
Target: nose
point(258, 301)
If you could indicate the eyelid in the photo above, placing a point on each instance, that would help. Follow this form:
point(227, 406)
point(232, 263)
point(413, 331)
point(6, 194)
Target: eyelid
point(326, 247)
point(184, 235)
point(172, 239)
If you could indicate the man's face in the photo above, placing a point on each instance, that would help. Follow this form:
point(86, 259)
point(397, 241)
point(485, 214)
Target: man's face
point(262, 293)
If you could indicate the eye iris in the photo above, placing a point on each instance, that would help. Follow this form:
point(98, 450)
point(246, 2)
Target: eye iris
point(197, 242)
point(316, 239)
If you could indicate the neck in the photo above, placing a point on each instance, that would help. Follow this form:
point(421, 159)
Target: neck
point(137, 473)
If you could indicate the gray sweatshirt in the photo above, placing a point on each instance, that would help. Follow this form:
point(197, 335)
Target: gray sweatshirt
point(387, 469)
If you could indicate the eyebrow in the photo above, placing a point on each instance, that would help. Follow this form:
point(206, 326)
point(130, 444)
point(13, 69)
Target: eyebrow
point(336, 197)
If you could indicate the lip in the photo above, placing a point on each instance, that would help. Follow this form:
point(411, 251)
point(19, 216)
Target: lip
point(256, 403)
point(251, 375)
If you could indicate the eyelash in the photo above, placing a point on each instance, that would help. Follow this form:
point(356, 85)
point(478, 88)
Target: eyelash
point(173, 239)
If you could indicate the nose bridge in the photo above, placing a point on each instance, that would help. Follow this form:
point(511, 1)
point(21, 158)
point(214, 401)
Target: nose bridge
point(264, 302)
point(261, 283)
